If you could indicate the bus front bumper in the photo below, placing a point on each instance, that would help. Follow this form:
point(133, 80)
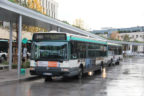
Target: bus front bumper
point(54, 71)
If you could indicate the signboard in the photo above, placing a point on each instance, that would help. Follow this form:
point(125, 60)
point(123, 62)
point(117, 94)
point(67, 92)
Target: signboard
point(25, 40)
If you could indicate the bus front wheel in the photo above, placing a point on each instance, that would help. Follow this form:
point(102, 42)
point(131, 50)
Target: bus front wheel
point(48, 78)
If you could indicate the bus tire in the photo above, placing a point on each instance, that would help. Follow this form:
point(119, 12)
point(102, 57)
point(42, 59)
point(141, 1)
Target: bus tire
point(113, 63)
point(66, 78)
point(101, 68)
point(102, 64)
point(118, 62)
point(48, 78)
point(80, 74)
point(109, 64)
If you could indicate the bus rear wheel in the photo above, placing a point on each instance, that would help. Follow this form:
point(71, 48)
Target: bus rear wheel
point(80, 74)
point(100, 69)
point(118, 63)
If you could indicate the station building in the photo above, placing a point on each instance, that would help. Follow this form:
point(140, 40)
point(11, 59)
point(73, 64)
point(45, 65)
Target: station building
point(46, 7)
point(50, 7)
point(134, 34)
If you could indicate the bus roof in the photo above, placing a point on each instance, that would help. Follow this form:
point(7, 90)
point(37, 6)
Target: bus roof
point(113, 44)
point(86, 39)
point(78, 37)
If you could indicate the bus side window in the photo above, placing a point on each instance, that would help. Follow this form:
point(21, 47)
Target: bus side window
point(73, 50)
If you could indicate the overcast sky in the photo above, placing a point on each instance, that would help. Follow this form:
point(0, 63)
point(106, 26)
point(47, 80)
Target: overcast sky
point(99, 14)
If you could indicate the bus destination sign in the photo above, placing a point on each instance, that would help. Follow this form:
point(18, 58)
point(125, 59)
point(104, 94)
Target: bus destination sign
point(48, 36)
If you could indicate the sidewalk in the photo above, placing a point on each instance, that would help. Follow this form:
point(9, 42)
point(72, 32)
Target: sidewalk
point(11, 76)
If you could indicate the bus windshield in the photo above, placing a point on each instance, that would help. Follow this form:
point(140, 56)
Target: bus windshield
point(49, 51)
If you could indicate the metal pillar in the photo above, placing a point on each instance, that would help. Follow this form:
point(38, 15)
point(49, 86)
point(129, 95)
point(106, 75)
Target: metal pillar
point(10, 47)
point(19, 44)
point(127, 47)
point(131, 48)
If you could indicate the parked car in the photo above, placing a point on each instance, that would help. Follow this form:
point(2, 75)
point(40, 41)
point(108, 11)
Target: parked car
point(128, 53)
point(141, 54)
point(3, 56)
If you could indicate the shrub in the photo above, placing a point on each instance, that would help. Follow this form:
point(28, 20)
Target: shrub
point(26, 65)
point(5, 63)
point(14, 66)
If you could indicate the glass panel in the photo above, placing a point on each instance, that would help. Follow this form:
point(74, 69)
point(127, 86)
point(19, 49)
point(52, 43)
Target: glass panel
point(49, 50)
point(78, 50)
point(94, 46)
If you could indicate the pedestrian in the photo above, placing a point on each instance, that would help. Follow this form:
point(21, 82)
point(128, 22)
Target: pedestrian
point(24, 54)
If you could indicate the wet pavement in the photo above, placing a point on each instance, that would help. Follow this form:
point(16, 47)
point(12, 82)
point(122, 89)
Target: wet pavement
point(126, 79)
point(12, 76)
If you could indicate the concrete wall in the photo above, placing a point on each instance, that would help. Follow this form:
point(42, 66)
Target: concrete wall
point(4, 33)
point(140, 49)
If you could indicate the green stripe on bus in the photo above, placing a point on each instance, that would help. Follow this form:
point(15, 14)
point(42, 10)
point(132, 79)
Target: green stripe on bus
point(68, 38)
point(87, 40)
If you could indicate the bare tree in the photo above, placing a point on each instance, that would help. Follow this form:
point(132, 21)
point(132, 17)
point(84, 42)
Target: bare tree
point(126, 38)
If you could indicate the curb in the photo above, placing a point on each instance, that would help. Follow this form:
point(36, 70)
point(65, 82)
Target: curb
point(6, 82)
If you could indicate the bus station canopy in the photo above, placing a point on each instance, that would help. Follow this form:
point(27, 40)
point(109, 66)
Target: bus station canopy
point(10, 12)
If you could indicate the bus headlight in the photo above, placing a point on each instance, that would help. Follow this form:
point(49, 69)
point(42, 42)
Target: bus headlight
point(90, 73)
point(65, 69)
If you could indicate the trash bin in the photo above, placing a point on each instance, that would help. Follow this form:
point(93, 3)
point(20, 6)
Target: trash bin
point(23, 71)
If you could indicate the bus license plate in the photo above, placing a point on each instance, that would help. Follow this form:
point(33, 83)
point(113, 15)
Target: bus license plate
point(48, 74)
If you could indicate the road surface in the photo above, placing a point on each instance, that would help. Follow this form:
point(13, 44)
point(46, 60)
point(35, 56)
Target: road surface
point(126, 79)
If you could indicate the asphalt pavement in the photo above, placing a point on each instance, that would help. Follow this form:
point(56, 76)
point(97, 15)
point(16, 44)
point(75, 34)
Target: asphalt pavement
point(11, 76)
point(126, 79)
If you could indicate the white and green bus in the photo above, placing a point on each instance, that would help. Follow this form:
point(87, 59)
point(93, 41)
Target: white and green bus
point(63, 54)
